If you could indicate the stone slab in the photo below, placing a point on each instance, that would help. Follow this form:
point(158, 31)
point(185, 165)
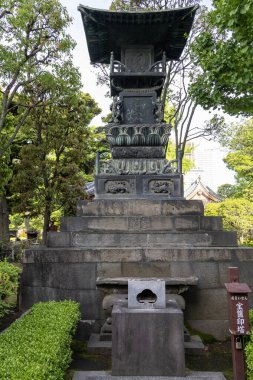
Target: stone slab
point(103, 375)
point(142, 239)
point(81, 276)
point(141, 207)
point(135, 333)
point(90, 300)
point(140, 223)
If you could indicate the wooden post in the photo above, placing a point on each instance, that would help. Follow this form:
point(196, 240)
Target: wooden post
point(237, 340)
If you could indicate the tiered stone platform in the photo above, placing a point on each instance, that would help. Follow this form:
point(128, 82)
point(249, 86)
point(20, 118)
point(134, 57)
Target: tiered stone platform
point(115, 239)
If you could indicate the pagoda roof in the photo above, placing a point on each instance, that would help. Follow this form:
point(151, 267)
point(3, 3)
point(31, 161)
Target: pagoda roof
point(108, 31)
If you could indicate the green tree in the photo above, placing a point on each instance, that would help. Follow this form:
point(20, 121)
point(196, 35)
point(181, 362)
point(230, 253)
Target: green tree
point(223, 50)
point(227, 191)
point(48, 176)
point(240, 158)
point(237, 216)
point(34, 48)
point(33, 45)
point(33, 42)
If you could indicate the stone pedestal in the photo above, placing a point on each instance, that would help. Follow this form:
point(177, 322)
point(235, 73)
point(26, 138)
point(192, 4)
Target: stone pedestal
point(147, 342)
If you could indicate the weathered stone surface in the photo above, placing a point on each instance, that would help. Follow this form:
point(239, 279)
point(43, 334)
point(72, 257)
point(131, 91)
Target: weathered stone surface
point(82, 375)
point(146, 270)
point(88, 254)
point(59, 275)
point(211, 223)
point(206, 304)
point(130, 186)
point(90, 300)
point(135, 335)
point(141, 207)
point(208, 275)
point(137, 293)
point(109, 269)
point(155, 239)
point(140, 223)
point(218, 328)
point(58, 239)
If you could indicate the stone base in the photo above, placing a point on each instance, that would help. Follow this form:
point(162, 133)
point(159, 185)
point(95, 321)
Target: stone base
point(102, 375)
point(157, 186)
point(148, 342)
point(96, 346)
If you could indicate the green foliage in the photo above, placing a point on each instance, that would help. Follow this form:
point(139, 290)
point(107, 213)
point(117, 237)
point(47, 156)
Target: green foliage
point(249, 350)
point(224, 52)
point(237, 216)
point(188, 163)
point(33, 46)
point(37, 346)
point(48, 175)
point(9, 276)
point(227, 191)
point(240, 158)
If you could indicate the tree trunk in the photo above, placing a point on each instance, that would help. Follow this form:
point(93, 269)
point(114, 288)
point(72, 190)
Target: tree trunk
point(47, 216)
point(4, 220)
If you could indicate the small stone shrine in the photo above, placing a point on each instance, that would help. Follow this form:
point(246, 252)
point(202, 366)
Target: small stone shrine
point(139, 225)
point(147, 334)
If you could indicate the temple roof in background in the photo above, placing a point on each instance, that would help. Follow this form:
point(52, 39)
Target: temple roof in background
point(197, 190)
point(108, 31)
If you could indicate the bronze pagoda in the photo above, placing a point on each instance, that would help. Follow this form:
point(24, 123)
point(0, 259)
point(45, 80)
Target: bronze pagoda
point(137, 45)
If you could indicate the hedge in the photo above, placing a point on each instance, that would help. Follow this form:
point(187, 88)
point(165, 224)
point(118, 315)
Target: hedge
point(9, 276)
point(249, 350)
point(37, 346)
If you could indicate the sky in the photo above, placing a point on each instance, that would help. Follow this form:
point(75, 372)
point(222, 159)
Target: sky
point(212, 150)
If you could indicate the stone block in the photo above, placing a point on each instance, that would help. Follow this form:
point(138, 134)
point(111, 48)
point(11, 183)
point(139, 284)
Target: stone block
point(147, 342)
point(143, 294)
point(189, 222)
point(223, 238)
point(150, 186)
point(102, 375)
point(90, 300)
point(182, 269)
point(206, 304)
point(150, 239)
point(58, 239)
point(146, 270)
point(208, 275)
point(191, 254)
point(109, 269)
point(211, 223)
point(60, 275)
point(219, 329)
point(141, 207)
point(244, 254)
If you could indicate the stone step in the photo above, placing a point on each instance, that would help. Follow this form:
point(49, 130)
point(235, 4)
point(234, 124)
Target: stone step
point(107, 255)
point(141, 223)
point(103, 375)
point(141, 207)
point(142, 239)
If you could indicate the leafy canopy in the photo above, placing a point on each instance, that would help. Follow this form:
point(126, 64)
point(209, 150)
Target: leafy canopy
point(224, 52)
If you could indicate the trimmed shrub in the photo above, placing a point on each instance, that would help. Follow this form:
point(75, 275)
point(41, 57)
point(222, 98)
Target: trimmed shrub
point(9, 276)
point(249, 349)
point(37, 346)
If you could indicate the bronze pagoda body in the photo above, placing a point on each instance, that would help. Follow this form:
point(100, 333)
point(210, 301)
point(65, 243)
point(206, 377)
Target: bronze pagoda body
point(137, 46)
